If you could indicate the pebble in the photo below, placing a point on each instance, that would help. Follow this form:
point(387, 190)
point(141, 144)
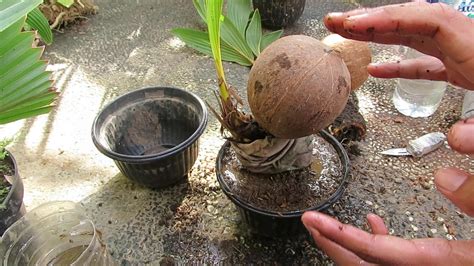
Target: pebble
point(369, 203)
point(434, 231)
point(410, 219)
point(440, 220)
point(381, 213)
point(426, 185)
point(414, 228)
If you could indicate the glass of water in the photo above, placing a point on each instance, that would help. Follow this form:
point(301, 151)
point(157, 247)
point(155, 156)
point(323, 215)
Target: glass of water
point(417, 98)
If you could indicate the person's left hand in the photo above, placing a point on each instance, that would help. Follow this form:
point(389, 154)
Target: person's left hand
point(348, 245)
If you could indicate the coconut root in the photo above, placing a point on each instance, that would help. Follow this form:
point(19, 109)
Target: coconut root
point(273, 155)
point(257, 150)
point(350, 125)
point(59, 16)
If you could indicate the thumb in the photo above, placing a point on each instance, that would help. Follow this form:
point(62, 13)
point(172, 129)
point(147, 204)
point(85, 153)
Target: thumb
point(461, 136)
point(457, 186)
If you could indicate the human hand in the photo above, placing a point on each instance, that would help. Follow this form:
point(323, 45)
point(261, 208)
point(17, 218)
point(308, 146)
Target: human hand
point(434, 29)
point(348, 245)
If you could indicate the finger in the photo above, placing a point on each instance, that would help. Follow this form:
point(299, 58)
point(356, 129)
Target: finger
point(382, 249)
point(457, 186)
point(338, 254)
point(424, 67)
point(377, 225)
point(461, 136)
point(450, 29)
point(335, 21)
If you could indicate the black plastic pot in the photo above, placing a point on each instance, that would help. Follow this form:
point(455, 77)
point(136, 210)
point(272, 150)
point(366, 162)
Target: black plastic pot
point(279, 13)
point(152, 134)
point(12, 209)
point(286, 224)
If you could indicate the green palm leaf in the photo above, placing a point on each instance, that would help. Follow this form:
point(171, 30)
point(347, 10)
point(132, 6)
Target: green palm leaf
point(36, 20)
point(241, 36)
point(66, 3)
point(254, 33)
point(267, 39)
point(25, 86)
point(238, 11)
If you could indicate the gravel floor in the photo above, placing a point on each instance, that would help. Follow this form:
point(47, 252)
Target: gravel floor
point(128, 46)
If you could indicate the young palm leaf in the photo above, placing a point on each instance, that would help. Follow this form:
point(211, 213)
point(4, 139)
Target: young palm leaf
point(241, 126)
point(241, 33)
point(37, 21)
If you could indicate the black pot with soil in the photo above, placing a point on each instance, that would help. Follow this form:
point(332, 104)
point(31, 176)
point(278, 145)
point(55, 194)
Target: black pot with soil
point(272, 204)
point(152, 134)
point(11, 193)
point(279, 13)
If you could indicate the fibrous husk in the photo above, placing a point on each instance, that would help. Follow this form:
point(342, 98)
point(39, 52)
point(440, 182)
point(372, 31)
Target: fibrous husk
point(59, 15)
point(297, 86)
point(356, 54)
point(274, 155)
point(350, 125)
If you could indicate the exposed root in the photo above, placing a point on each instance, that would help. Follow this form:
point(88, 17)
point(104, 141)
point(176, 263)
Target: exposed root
point(350, 125)
point(60, 16)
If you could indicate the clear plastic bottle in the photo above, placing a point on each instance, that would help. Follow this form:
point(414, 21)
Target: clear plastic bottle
point(55, 233)
point(417, 98)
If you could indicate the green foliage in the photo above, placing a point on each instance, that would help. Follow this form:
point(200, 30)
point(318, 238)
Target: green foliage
point(37, 21)
point(3, 145)
point(66, 3)
point(213, 18)
point(13, 10)
point(25, 85)
point(241, 33)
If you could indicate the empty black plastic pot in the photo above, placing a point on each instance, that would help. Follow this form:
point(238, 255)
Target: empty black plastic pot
point(285, 224)
point(152, 134)
point(12, 208)
point(279, 13)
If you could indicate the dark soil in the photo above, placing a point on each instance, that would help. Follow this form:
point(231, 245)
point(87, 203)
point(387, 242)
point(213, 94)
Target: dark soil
point(6, 169)
point(289, 191)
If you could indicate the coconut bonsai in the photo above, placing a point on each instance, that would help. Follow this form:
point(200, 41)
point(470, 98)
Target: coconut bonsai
point(296, 87)
point(26, 91)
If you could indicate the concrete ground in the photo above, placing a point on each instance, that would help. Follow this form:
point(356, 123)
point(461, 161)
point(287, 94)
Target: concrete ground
point(126, 46)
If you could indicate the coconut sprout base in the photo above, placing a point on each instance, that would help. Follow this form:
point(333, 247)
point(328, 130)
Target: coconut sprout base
point(288, 191)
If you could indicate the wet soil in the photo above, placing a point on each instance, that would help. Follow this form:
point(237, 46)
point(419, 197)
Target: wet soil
point(288, 191)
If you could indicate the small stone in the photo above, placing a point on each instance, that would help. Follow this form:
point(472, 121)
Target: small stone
point(433, 230)
point(381, 213)
point(369, 203)
point(426, 185)
point(410, 219)
point(408, 213)
point(440, 220)
point(398, 180)
point(414, 228)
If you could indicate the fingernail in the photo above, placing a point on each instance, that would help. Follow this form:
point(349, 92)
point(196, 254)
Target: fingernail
point(334, 15)
point(450, 179)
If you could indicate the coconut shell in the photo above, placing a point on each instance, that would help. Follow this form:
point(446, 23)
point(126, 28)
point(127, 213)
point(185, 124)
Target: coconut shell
point(297, 86)
point(356, 55)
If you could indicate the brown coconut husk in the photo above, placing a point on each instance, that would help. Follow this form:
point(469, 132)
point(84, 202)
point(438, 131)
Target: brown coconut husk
point(350, 125)
point(60, 16)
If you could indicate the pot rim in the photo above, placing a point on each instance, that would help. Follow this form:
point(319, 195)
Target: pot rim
point(14, 182)
point(147, 158)
point(291, 214)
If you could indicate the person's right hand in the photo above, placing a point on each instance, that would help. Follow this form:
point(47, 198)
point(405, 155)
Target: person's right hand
point(433, 29)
